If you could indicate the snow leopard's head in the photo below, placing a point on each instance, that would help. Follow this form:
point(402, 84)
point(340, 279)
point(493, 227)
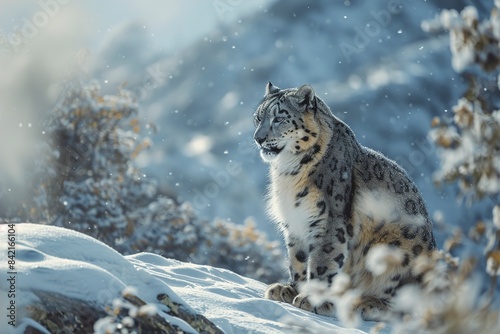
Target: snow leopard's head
point(286, 122)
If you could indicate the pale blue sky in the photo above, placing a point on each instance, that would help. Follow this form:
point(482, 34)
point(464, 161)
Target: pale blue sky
point(172, 23)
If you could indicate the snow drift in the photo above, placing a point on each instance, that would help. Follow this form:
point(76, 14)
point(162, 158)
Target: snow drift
point(56, 265)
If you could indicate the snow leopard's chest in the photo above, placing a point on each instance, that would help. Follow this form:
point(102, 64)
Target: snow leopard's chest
point(294, 204)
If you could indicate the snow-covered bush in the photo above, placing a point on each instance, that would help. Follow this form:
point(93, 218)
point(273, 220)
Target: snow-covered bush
point(469, 139)
point(470, 153)
point(86, 181)
point(457, 296)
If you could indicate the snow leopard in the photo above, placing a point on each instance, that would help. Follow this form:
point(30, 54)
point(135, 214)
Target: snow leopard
point(334, 200)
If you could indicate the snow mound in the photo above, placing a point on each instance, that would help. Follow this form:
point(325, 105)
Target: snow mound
point(54, 260)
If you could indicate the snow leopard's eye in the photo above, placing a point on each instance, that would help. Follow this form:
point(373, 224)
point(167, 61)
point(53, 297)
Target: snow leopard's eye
point(277, 120)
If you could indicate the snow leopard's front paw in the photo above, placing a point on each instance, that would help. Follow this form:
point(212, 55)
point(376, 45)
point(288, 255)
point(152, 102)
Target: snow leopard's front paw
point(281, 292)
point(302, 301)
point(373, 309)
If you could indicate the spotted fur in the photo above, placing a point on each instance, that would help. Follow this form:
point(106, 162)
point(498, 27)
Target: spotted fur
point(334, 200)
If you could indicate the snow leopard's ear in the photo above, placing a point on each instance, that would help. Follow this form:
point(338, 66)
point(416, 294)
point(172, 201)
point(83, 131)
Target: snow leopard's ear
point(270, 89)
point(305, 94)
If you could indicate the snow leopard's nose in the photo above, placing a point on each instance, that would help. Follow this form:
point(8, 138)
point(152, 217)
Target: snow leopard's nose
point(260, 140)
point(260, 135)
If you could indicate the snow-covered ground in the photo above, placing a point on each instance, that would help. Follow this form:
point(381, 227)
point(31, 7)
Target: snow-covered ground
point(57, 260)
